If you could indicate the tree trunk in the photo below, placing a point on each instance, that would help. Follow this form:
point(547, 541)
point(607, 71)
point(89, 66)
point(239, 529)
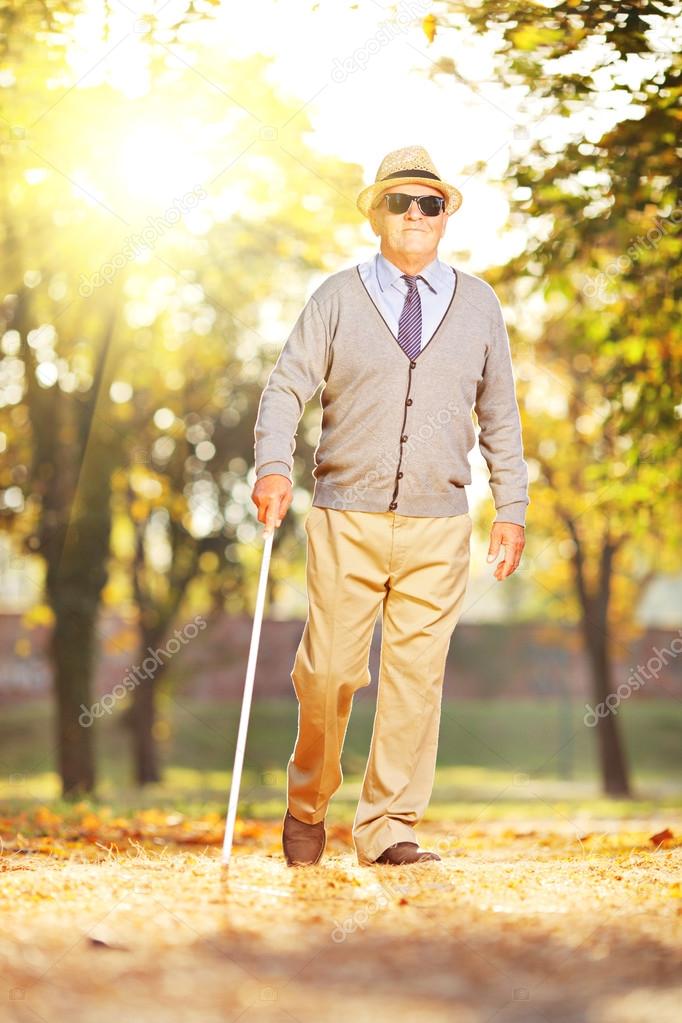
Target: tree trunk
point(75, 452)
point(156, 618)
point(143, 716)
point(594, 603)
point(143, 712)
point(612, 759)
point(72, 652)
point(77, 571)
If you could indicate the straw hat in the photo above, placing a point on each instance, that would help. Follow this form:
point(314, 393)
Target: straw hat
point(411, 165)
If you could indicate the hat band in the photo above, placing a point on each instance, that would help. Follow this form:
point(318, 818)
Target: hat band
point(417, 173)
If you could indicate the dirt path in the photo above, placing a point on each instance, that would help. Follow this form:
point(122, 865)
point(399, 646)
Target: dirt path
point(533, 923)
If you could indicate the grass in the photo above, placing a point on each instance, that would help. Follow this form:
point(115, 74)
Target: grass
point(496, 758)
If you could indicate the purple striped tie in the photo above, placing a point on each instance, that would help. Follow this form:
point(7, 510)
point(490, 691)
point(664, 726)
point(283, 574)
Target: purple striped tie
point(410, 325)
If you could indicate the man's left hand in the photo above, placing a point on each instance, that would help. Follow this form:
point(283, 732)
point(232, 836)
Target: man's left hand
point(512, 538)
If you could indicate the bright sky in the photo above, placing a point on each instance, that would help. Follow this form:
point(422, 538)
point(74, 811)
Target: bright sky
point(367, 81)
point(362, 75)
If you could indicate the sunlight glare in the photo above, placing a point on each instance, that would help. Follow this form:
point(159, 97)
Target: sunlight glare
point(155, 161)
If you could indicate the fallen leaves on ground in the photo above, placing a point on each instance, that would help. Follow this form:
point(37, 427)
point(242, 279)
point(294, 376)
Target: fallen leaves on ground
point(103, 916)
point(40, 830)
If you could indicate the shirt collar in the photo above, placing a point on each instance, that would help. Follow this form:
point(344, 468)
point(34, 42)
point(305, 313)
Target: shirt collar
point(387, 273)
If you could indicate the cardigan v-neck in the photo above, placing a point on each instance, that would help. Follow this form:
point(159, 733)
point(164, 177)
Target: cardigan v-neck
point(383, 320)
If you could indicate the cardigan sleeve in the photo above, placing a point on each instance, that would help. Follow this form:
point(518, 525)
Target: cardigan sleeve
point(300, 368)
point(500, 437)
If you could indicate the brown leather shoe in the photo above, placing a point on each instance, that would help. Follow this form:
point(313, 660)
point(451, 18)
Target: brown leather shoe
point(405, 852)
point(303, 843)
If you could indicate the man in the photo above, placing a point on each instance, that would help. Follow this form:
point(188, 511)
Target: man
point(407, 346)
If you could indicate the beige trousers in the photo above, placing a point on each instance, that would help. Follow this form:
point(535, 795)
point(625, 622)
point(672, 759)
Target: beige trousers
point(416, 569)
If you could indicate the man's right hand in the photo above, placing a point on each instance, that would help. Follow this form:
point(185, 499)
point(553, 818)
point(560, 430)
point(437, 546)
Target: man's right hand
point(272, 495)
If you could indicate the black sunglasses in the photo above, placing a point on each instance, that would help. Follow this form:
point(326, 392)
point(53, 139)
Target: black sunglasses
point(400, 202)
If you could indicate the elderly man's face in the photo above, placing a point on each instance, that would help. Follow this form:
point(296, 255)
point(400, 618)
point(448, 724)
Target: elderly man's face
point(409, 232)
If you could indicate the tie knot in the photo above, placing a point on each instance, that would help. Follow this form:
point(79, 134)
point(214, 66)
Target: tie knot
point(412, 280)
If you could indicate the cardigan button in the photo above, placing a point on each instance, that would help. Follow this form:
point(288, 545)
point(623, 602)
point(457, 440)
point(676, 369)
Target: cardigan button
point(400, 475)
point(412, 365)
point(409, 401)
point(392, 505)
point(403, 438)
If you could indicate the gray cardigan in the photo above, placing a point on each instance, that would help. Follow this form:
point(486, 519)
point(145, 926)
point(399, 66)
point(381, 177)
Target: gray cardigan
point(396, 432)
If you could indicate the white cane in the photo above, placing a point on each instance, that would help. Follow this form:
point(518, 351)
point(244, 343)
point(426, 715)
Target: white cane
point(246, 701)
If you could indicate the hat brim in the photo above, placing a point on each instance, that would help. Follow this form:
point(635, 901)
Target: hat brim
point(368, 195)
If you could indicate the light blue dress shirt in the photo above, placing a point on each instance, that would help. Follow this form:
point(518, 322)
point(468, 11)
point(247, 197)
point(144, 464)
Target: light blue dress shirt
point(388, 291)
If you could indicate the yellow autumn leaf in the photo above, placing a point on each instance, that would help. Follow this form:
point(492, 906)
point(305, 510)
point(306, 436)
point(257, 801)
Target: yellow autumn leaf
point(90, 822)
point(429, 27)
point(46, 818)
